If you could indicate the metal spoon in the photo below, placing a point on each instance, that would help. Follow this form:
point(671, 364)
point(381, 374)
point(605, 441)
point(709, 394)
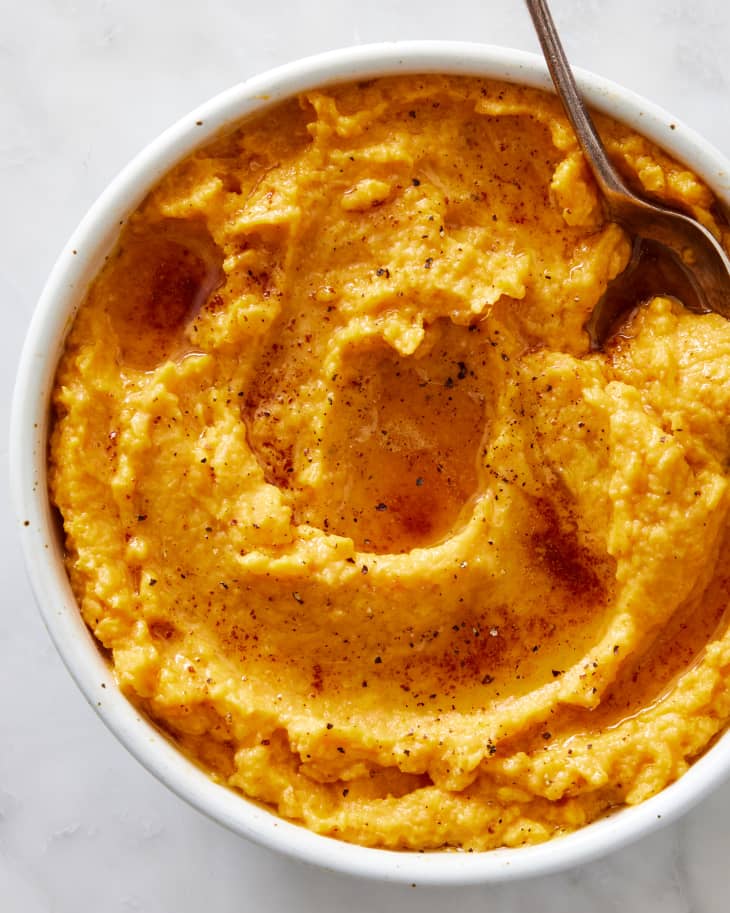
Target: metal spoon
point(673, 254)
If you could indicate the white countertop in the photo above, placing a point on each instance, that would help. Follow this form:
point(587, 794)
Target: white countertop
point(83, 86)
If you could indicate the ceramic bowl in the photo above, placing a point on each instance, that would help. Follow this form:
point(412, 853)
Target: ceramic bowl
point(76, 267)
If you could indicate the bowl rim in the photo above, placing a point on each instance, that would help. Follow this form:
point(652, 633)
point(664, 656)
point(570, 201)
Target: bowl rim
point(78, 262)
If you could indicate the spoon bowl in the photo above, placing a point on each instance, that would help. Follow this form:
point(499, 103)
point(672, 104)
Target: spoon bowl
point(673, 254)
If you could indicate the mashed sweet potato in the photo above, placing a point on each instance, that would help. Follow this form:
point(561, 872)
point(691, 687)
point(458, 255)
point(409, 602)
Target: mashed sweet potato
point(366, 527)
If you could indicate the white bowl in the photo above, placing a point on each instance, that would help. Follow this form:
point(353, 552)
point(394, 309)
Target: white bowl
point(76, 267)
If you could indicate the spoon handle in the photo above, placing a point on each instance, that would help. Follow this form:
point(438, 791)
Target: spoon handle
point(605, 174)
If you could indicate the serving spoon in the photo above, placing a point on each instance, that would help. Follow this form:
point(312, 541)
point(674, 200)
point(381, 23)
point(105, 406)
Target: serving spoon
point(672, 253)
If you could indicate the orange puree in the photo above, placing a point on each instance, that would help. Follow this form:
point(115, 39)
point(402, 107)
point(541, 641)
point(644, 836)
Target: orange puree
point(365, 526)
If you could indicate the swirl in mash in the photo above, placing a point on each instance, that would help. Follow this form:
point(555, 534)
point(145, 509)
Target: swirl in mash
point(365, 526)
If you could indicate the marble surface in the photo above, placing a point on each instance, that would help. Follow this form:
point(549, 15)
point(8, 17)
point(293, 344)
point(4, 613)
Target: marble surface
point(83, 85)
